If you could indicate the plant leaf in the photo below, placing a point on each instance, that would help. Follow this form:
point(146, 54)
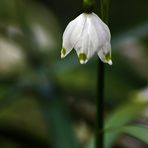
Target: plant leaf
point(139, 132)
point(120, 118)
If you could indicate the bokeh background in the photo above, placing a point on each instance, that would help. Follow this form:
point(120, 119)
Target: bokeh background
point(46, 101)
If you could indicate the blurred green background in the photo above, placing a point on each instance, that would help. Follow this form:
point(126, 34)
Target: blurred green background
point(49, 102)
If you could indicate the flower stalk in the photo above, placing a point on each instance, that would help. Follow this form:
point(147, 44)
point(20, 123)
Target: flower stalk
point(104, 7)
point(88, 6)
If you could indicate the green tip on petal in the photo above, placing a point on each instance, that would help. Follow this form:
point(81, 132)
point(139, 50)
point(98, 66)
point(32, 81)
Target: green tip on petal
point(63, 53)
point(110, 62)
point(108, 59)
point(82, 58)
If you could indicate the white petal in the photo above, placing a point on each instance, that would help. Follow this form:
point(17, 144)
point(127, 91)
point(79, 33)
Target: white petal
point(105, 54)
point(72, 33)
point(94, 36)
point(82, 48)
point(87, 40)
point(102, 30)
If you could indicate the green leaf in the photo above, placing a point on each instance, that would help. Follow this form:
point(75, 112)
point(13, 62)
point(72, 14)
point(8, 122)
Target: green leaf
point(115, 125)
point(139, 132)
point(120, 118)
point(91, 144)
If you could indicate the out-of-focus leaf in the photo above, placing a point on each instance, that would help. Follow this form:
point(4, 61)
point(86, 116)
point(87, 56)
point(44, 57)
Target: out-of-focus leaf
point(139, 132)
point(138, 32)
point(59, 125)
point(120, 118)
point(24, 114)
point(7, 10)
point(9, 96)
point(78, 78)
point(91, 144)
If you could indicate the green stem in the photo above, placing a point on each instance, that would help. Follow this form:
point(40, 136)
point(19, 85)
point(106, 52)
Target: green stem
point(104, 5)
point(88, 5)
point(100, 106)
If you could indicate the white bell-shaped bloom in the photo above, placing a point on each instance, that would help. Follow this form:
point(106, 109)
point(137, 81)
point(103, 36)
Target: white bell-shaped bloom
point(88, 35)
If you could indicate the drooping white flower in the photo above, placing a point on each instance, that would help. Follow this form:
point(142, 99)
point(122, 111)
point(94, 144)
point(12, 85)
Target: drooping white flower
point(88, 35)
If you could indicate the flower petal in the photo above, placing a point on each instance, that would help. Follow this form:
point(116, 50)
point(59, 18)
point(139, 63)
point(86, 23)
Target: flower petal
point(83, 58)
point(101, 29)
point(105, 54)
point(86, 44)
point(72, 34)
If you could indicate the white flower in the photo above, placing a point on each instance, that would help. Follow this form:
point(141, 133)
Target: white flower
point(88, 35)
